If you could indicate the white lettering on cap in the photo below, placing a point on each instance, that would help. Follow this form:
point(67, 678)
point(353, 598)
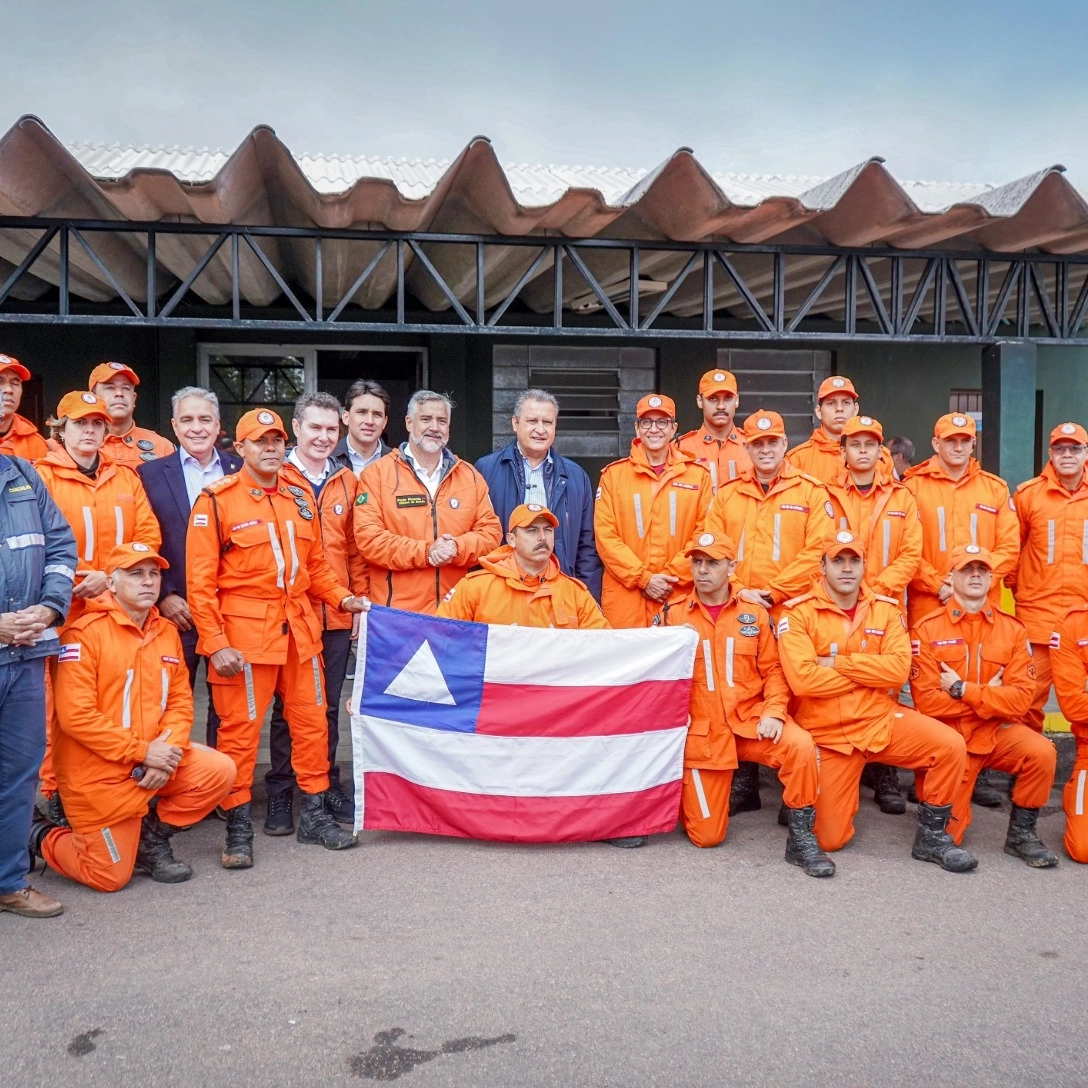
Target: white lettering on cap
point(88, 398)
point(138, 547)
point(763, 423)
point(706, 540)
point(1068, 428)
point(654, 402)
point(844, 537)
point(265, 418)
point(959, 421)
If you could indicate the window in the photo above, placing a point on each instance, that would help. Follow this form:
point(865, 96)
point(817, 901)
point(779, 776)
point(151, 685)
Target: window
point(588, 399)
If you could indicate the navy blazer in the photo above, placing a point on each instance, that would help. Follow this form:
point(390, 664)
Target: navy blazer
point(164, 482)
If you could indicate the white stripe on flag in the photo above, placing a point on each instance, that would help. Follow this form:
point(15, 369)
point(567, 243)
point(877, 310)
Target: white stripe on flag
point(523, 766)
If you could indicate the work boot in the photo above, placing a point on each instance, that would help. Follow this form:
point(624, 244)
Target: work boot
point(986, 793)
point(154, 856)
point(30, 904)
point(238, 853)
point(801, 845)
point(887, 792)
point(629, 842)
point(1022, 842)
point(53, 810)
point(744, 794)
point(317, 827)
point(339, 805)
point(280, 819)
point(933, 842)
point(784, 814)
point(39, 828)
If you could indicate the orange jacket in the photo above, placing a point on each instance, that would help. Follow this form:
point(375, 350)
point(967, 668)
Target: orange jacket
point(1069, 664)
point(501, 593)
point(252, 562)
point(821, 457)
point(642, 523)
point(737, 680)
point(975, 646)
point(335, 519)
point(397, 521)
point(23, 440)
point(724, 460)
point(115, 688)
point(779, 535)
point(853, 704)
point(1052, 575)
point(976, 509)
point(886, 519)
point(136, 446)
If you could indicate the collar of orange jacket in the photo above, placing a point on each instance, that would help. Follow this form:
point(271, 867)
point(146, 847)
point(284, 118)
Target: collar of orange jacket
point(503, 563)
point(823, 598)
point(1054, 480)
point(958, 614)
point(61, 458)
point(107, 603)
point(787, 473)
point(881, 480)
point(692, 600)
point(674, 455)
point(932, 467)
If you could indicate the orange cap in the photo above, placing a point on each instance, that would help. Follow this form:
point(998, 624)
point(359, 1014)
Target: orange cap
point(954, 423)
point(717, 381)
point(834, 385)
point(764, 425)
point(716, 545)
point(128, 555)
point(655, 402)
point(863, 425)
point(1064, 432)
point(525, 514)
point(9, 363)
point(843, 541)
point(969, 553)
point(258, 423)
point(105, 371)
point(81, 405)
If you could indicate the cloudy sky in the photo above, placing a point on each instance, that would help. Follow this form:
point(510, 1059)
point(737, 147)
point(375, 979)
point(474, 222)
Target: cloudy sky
point(960, 90)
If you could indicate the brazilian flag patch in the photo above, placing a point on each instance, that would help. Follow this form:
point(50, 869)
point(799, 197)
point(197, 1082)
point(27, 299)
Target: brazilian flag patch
point(361, 499)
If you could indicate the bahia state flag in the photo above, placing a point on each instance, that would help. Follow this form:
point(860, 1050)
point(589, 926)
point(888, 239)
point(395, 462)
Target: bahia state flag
point(518, 734)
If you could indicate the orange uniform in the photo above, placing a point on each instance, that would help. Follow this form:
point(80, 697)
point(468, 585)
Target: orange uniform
point(821, 457)
point(1052, 575)
point(1069, 661)
point(975, 509)
point(136, 446)
point(335, 517)
point(737, 681)
point(397, 521)
point(642, 521)
point(23, 440)
point(502, 593)
point(885, 518)
point(779, 535)
point(725, 460)
point(253, 560)
point(850, 709)
point(978, 646)
point(118, 687)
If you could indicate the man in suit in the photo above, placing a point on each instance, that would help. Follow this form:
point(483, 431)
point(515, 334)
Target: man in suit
point(172, 484)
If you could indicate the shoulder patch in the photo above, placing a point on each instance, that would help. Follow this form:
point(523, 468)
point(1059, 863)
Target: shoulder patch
point(200, 521)
point(783, 626)
point(69, 651)
point(750, 630)
point(449, 595)
point(361, 498)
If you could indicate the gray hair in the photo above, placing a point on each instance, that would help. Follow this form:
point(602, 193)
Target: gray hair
point(422, 396)
point(193, 391)
point(535, 394)
point(901, 445)
point(325, 401)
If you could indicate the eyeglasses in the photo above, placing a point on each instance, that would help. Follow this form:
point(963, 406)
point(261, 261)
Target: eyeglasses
point(655, 424)
point(1067, 447)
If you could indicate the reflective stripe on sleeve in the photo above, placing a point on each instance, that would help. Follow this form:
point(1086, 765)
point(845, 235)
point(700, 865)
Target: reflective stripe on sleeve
point(942, 542)
point(24, 540)
point(672, 513)
point(776, 550)
point(126, 702)
point(974, 528)
point(60, 568)
point(730, 644)
point(1050, 541)
point(119, 523)
point(887, 542)
point(639, 527)
point(165, 689)
point(88, 532)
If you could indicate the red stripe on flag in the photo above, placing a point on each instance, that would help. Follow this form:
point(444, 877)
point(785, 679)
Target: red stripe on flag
point(394, 804)
point(545, 710)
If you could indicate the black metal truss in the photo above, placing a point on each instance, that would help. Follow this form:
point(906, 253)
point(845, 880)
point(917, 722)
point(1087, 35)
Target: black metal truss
point(799, 293)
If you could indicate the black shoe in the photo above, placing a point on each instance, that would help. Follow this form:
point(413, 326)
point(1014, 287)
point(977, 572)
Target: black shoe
point(744, 793)
point(154, 856)
point(933, 842)
point(801, 846)
point(317, 828)
point(281, 813)
point(238, 852)
point(985, 793)
point(53, 810)
point(912, 792)
point(39, 828)
point(887, 792)
point(870, 775)
point(629, 842)
point(339, 805)
point(784, 814)
point(1023, 842)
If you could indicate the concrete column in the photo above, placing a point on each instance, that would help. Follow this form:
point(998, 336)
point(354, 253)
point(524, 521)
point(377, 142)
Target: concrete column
point(1008, 410)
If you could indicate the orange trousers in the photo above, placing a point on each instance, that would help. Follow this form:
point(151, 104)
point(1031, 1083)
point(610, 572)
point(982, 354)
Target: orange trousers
point(103, 858)
point(242, 701)
point(1020, 751)
point(704, 802)
point(1044, 678)
point(916, 742)
point(1075, 804)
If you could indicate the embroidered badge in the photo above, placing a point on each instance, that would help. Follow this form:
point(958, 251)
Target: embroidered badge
point(361, 500)
point(749, 629)
point(199, 520)
point(145, 444)
point(338, 508)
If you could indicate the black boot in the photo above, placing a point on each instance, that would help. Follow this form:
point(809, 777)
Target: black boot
point(933, 842)
point(744, 793)
point(1022, 842)
point(39, 828)
point(281, 813)
point(887, 792)
point(316, 827)
point(53, 810)
point(985, 792)
point(784, 814)
point(801, 845)
point(238, 853)
point(154, 856)
point(339, 805)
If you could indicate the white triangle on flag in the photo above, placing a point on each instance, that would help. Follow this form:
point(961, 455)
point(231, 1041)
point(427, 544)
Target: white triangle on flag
point(421, 680)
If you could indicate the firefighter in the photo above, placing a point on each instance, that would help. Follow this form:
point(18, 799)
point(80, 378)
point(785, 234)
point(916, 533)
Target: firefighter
point(126, 443)
point(717, 443)
point(1069, 664)
point(18, 436)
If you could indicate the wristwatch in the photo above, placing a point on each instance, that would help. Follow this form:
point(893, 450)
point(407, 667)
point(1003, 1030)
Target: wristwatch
point(956, 690)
